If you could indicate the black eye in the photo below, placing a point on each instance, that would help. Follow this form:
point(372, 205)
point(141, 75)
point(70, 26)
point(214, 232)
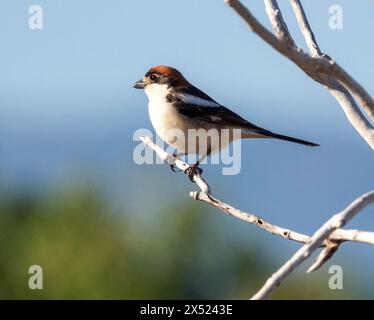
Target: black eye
point(153, 77)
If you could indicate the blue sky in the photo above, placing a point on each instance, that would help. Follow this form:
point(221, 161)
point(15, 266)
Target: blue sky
point(67, 105)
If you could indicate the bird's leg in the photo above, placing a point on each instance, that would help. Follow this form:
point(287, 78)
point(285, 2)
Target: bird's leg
point(173, 167)
point(194, 169)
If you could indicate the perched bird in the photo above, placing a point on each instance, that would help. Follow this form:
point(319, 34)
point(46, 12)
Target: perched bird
point(175, 105)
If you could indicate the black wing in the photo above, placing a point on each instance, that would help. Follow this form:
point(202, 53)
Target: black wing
point(208, 110)
point(202, 109)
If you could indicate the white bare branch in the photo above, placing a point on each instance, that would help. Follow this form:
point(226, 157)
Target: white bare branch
point(319, 67)
point(341, 85)
point(331, 230)
point(337, 221)
point(171, 159)
point(338, 91)
point(341, 94)
point(305, 28)
point(339, 235)
point(280, 28)
point(325, 254)
point(337, 81)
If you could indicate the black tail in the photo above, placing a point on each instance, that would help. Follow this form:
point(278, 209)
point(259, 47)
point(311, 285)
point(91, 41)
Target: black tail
point(286, 138)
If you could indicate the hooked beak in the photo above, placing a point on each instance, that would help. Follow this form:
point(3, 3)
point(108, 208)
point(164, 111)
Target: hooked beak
point(140, 84)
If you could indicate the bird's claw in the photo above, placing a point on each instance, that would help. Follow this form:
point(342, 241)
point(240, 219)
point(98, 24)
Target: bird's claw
point(173, 168)
point(172, 165)
point(192, 170)
point(211, 198)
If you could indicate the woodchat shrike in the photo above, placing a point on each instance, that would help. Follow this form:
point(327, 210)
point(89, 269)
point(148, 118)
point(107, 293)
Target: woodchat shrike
point(175, 105)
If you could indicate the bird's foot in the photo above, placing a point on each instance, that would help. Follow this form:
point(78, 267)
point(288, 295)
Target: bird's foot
point(192, 170)
point(174, 168)
point(211, 198)
point(172, 165)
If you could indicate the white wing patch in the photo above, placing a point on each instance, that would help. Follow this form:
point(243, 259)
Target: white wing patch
point(191, 99)
point(215, 118)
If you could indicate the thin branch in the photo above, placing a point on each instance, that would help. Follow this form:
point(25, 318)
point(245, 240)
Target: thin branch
point(326, 253)
point(341, 94)
point(305, 28)
point(338, 235)
point(338, 91)
point(251, 218)
point(280, 29)
point(329, 236)
point(315, 51)
point(318, 68)
point(353, 235)
point(171, 159)
point(339, 83)
point(335, 85)
point(205, 196)
point(337, 221)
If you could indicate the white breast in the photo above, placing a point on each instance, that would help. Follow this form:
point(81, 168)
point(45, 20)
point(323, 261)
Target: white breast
point(172, 127)
point(163, 116)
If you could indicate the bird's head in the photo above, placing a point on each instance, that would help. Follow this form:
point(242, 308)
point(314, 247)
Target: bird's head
point(162, 76)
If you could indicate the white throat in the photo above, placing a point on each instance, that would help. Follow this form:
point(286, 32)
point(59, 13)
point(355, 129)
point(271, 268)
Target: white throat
point(161, 112)
point(156, 93)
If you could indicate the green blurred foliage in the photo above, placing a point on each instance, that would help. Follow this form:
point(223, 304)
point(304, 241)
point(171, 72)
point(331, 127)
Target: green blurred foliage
point(89, 250)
